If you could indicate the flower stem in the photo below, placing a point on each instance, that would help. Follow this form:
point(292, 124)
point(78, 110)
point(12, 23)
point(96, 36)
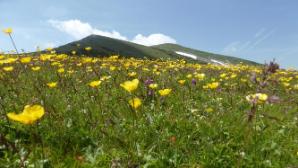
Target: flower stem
point(13, 43)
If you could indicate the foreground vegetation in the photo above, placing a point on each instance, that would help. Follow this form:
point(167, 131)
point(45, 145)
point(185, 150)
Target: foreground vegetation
point(62, 111)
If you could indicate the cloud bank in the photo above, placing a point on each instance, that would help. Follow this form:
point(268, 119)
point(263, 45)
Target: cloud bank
point(153, 39)
point(78, 29)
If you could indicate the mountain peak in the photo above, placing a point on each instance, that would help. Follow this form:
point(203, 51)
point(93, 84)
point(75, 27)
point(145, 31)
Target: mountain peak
point(106, 46)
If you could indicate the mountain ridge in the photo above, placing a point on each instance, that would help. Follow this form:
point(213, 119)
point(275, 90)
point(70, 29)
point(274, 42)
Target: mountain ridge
point(106, 46)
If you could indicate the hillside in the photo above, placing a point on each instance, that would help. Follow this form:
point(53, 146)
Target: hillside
point(105, 46)
point(201, 55)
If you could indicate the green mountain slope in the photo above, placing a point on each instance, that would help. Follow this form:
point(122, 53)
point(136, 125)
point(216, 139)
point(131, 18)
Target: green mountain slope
point(105, 46)
point(202, 55)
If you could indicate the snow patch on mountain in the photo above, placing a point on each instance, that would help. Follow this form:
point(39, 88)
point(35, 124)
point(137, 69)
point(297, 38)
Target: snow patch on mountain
point(200, 58)
point(186, 54)
point(217, 62)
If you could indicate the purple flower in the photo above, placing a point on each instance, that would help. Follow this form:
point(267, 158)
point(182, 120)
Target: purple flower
point(148, 82)
point(193, 81)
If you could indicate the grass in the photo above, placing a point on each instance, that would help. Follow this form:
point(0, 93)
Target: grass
point(190, 127)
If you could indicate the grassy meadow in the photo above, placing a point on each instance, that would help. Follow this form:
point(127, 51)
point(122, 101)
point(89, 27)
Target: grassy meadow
point(59, 110)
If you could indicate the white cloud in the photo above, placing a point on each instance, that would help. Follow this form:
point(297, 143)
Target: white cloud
point(153, 39)
point(79, 29)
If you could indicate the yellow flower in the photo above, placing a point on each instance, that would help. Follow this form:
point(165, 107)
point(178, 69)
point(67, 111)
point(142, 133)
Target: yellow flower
point(212, 85)
point(157, 73)
point(112, 68)
point(164, 92)
point(200, 76)
point(61, 56)
point(130, 85)
point(233, 76)
point(52, 84)
point(60, 70)
point(132, 74)
point(114, 57)
point(70, 71)
point(8, 60)
point(153, 85)
point(89, 69)
point(7, 30)
point(45, 57)
point(286, 84)
point(37, 68)
point(95, 83)
point(181, 82)
point(26, 59)
point(103, 78)
point(189, 76)
point(49, 49)
point(8, 69)
point(258, 98)
point(29, 115)
point(243, 80)
point(87, 59)
point(209, 110)
point(135, 103)
point(223, 75)
point(73, 52)
point(55, 63)
point(88, 48)
point(262, 97)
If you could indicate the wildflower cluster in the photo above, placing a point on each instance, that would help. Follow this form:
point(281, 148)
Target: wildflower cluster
point(59, 110)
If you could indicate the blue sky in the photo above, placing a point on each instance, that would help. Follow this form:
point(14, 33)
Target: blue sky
point(258, 30)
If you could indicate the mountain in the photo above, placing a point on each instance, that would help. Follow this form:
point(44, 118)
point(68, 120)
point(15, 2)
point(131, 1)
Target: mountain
point(201, 55)
point(105, 46)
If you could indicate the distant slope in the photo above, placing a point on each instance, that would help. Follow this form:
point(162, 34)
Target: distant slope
point(105, 46)
point(202, 55)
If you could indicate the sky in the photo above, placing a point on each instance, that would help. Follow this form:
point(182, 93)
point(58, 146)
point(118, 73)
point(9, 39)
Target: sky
point(258, 30)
